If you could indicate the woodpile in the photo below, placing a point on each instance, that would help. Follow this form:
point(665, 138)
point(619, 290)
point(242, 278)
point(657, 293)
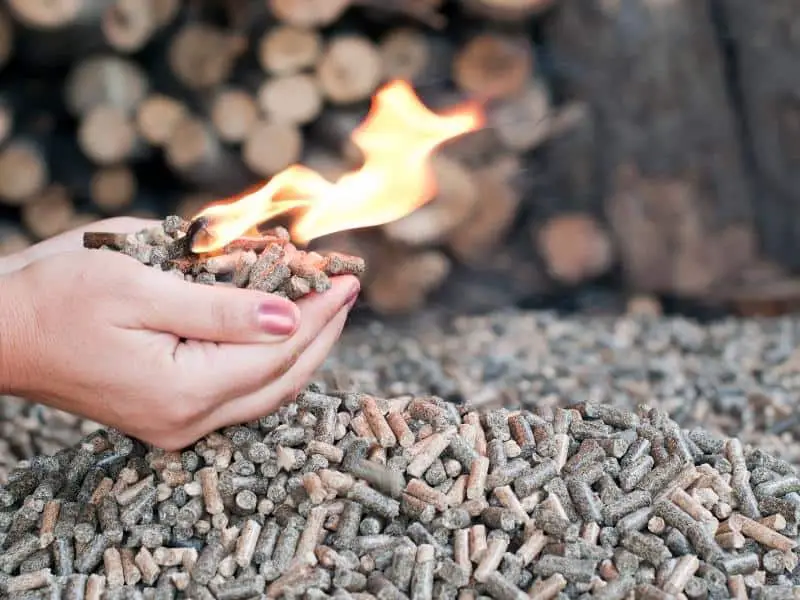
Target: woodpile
point(625, 141)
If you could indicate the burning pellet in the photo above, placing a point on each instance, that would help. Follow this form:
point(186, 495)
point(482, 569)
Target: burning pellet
point(497, 544)
point(476, 483)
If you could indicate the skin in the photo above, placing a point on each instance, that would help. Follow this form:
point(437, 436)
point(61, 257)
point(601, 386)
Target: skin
point(98, 334)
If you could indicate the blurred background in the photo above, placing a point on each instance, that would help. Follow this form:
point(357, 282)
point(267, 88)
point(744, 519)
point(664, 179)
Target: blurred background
point(640, 155)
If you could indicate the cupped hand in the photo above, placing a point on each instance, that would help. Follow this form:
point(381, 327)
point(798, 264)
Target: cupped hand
point(98, 334)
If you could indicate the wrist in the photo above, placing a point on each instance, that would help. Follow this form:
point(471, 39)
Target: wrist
point(15, 333)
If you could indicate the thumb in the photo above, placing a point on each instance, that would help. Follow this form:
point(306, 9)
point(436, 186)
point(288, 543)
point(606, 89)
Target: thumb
point(216, 313)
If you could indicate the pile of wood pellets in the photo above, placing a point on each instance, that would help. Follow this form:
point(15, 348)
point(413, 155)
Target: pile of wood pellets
point(268, 262)
point(346, 495)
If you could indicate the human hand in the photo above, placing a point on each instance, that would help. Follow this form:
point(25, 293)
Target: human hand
point(72, 240)
point(98, 334)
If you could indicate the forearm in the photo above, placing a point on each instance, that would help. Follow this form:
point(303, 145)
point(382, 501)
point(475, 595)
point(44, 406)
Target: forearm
point(15, 332)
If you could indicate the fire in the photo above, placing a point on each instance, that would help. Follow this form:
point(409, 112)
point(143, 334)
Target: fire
point(397, 139)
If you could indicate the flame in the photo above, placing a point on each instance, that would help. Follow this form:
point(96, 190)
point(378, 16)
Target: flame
point(397, 139)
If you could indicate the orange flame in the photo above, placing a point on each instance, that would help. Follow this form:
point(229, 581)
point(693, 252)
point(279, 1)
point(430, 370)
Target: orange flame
point(397, 139)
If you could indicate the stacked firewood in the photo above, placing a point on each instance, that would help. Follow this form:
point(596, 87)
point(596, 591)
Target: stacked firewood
point(159, 107)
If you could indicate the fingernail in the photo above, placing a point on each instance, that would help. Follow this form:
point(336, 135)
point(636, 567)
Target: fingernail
point(351, 299)
point(276, 318)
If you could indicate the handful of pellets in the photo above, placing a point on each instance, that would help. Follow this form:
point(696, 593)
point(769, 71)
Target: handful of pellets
point(268, 263)
point(348, 496)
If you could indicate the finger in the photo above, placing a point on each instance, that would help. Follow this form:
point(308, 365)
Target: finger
point(269, 398)
point(233, 370)
point(212, 313)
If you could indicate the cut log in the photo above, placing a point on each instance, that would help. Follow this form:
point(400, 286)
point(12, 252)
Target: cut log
point(422, 58)
point(56, 14)
point(105, 80)
point(404, 279)
point(7, 37)
point(294, 99)
point(165, 11)
point(48, 213)
point(128, 25)
point(271, 147)
point(574, 248)
point(766, 45)
point(423, 11)
point(157, 116)
point(202, 56)
point(494, 65)
point(455, 200)
point(308, 13)
point(24, 171)
point(285, 49)
point(350, 69)
point(233, 114)
point(199, 157)
point(476, 241)
point(191, 204)
point(6, 119)
point(506, 10)
point(522, 122)
point(108, 136)
point(333, 129)
point(669, 156)
point(113, 189)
